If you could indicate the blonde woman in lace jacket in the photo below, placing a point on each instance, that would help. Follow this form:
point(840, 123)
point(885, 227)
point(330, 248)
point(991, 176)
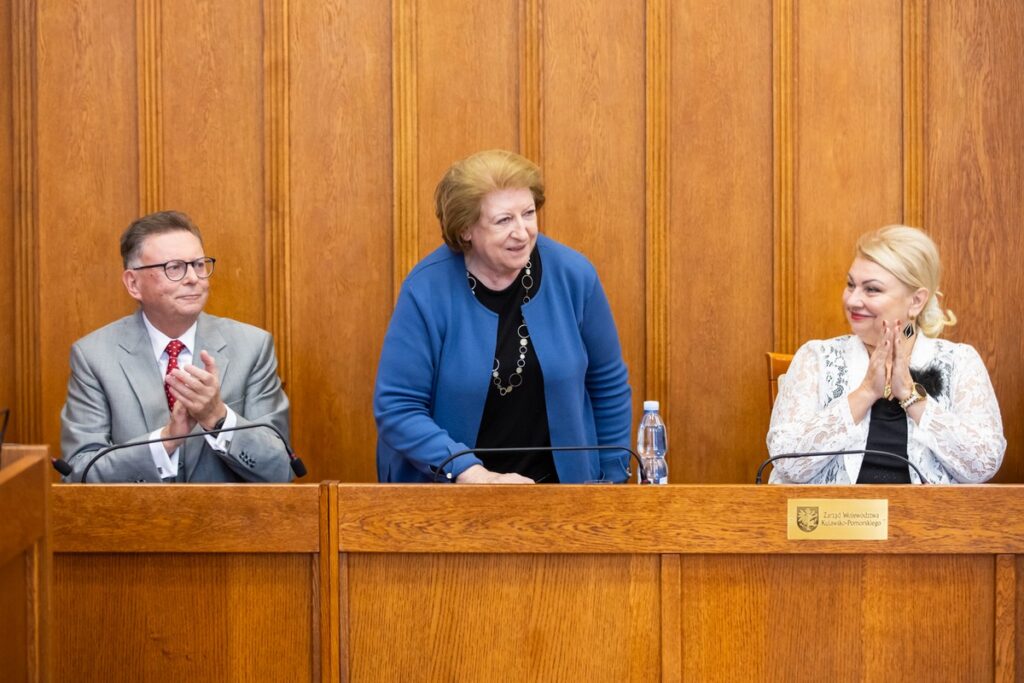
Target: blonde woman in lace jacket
point(891, 385)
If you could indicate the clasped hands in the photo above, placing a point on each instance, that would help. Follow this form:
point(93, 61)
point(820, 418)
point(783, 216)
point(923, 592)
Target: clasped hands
point(889, 365)
point(197, 399)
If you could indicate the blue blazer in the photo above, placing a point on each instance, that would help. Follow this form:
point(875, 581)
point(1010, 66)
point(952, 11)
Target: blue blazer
point(435, 369)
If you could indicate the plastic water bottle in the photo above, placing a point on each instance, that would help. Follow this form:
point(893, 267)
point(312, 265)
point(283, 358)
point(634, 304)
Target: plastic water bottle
point(651, 445)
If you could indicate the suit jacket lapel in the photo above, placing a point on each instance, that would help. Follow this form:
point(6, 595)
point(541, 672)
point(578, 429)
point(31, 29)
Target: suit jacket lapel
point(143, 372)
point(208, 338)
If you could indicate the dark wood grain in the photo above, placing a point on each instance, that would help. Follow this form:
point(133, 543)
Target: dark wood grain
point(672, 519)
point(128, 518)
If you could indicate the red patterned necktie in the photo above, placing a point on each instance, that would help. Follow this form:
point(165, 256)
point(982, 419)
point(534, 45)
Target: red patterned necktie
point(174, 349)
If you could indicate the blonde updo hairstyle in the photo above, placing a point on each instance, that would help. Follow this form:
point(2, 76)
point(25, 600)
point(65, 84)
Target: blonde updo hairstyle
point(458, 195)
point(913, 258)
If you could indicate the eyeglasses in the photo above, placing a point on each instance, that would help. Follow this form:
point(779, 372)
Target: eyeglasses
point(175, 270)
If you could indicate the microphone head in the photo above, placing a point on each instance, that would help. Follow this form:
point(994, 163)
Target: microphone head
point(61, 466)
point(298, 467)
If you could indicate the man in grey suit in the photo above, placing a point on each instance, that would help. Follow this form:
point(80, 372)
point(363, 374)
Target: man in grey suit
point(170, 369)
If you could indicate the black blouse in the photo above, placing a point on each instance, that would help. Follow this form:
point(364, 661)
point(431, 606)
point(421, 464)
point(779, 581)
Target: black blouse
point(518, 418)
point(886, 432)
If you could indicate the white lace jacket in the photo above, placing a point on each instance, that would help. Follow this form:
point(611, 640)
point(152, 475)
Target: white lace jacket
point(959, 440)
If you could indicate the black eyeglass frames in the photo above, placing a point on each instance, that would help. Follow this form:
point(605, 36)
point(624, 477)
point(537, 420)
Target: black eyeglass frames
point(175, 270)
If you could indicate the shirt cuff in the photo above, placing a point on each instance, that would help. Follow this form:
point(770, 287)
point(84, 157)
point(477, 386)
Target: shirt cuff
point(221, 441)
point(166, 465)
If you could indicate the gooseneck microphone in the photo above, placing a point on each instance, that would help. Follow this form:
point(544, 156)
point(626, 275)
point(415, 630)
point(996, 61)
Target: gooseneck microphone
point(295, 461)
point(439, 470)
point(819, 454)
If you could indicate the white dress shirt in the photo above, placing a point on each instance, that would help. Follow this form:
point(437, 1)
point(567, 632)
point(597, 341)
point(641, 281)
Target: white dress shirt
point(167, 465)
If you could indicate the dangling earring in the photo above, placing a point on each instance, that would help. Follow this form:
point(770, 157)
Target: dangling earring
point(908, 331)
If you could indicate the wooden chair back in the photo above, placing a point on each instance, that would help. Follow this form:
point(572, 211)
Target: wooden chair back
point(778, 363)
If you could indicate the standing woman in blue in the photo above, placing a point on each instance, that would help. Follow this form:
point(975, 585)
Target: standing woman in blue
point(501, 337)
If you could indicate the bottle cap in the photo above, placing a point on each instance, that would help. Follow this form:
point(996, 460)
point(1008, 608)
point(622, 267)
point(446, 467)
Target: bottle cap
point(651, 405)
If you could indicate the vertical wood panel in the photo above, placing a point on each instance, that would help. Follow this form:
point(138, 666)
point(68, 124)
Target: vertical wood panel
point(531, 80)
point(224, 618)
point(975, 207)
point(720, 281)
point(907, 617)
point(405, 216)
point(276, 178)
point(849, 151)
point(656, 256)
point(148, 40)
point(213, 141)
point(572, 617)
point(25, 269)
point(915, 102)
point(341, 197)
point(88, 181)
point(466, 98)
point(1006, 604)
point(784, 143)
point(593, 145)
point(8, 255)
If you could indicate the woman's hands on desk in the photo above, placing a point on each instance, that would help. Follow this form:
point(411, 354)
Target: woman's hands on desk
point(478, 474)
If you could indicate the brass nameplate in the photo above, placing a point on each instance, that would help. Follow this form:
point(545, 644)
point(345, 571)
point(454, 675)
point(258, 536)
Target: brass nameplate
point(838, 519)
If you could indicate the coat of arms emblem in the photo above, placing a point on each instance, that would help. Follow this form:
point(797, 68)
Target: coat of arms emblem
point(807, 518)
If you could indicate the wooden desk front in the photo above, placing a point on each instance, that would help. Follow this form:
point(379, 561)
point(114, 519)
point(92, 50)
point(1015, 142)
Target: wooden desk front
point(24, 567)
point(532, 583)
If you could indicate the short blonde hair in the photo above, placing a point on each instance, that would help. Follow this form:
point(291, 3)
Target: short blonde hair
point(910, 255)
point(458, 195)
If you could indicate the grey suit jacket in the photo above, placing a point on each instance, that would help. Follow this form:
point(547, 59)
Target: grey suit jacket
point(116, 395)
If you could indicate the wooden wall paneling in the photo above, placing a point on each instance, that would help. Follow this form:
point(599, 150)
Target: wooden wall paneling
point(276, 178)
point(341, 247)
point(915, 101)
point(593, 143)
point(974, 204)
point(87, 185)
point(531, 81)
point(570, 599)
point(849, 149)
point(8, 255)
point(784, 143)
point(25, 264)
point(404, 70)
point(212, 123)
point(148, 48)
point(466, 98)
point(720, 278)
point(656, 257)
